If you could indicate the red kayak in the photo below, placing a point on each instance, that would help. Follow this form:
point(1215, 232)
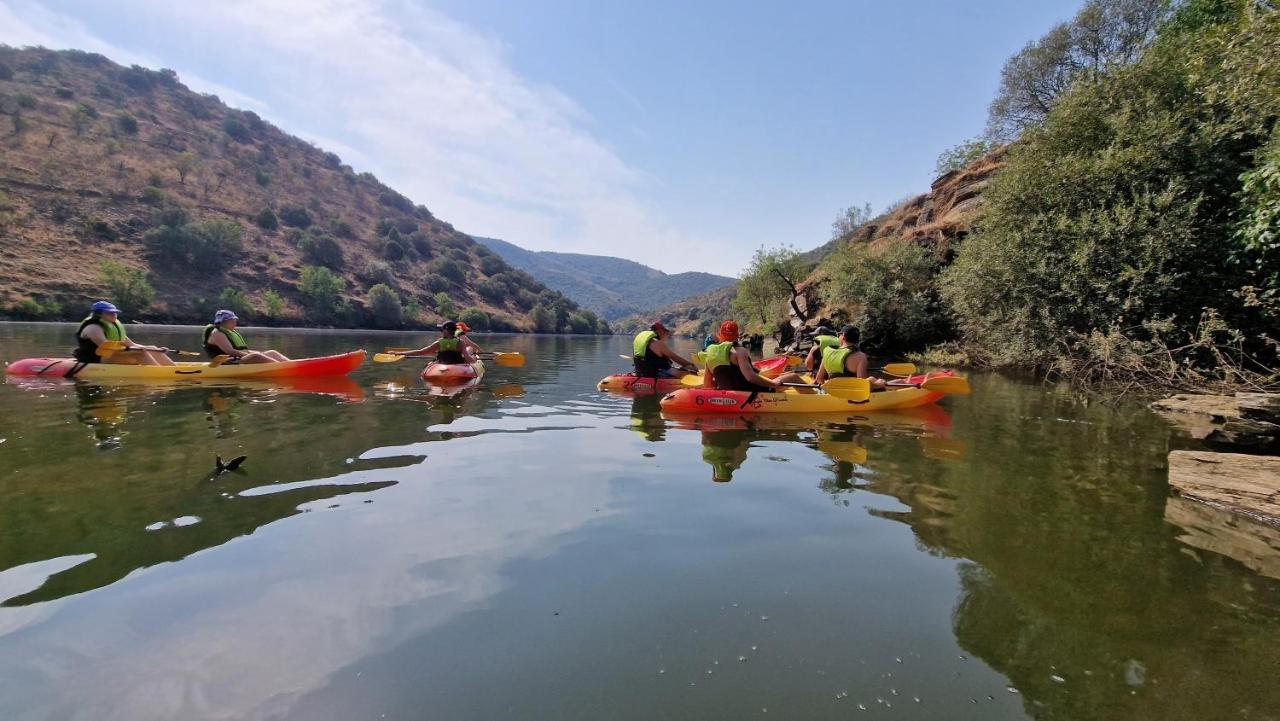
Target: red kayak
point(333, 365)
point(446, 374)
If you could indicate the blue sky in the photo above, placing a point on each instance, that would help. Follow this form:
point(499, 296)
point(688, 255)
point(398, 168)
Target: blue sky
point(682, 135)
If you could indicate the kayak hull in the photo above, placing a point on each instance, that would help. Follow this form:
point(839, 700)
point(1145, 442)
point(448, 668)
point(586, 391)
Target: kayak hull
point(69, 368)
point(451, 374)
point(701, 401)
point(631, 383)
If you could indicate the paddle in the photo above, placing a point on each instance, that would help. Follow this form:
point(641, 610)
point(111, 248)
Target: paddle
point(395, 355)
point(109, 348)
point(898, 369)
point(854, 389)
point(218, 360)
point(940, 384)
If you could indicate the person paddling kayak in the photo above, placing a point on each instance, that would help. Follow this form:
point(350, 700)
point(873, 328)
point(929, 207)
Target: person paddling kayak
point(823, 338)
point(729, 366)
point(450, 349)
point(102, 325)
point(222, 338)
point(653, 358)
point(846, 361)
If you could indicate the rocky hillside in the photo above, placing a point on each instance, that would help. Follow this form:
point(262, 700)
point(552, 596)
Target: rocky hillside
point(693, 317)
point(115, 179)
point(612, 287)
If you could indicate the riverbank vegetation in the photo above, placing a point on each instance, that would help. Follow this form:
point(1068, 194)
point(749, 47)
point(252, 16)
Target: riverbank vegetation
point(1133, 232)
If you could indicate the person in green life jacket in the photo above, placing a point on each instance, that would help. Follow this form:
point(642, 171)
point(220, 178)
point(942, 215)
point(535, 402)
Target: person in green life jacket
point(451, 348)
point(102, 325)
point(846, 361)
point(823, 338)
point(653, 358)
point(222, 338)
point(729, 366)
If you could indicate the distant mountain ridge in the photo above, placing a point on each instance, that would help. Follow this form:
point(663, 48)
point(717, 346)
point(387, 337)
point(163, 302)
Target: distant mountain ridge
point(611, 287)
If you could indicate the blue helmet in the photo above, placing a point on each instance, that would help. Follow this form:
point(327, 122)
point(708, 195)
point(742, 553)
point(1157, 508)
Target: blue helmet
point(103, 306)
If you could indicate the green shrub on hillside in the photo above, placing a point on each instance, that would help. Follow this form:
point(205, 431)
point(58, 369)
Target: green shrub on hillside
point(892, 293)
point(1117, 210)
point(295, 216)
point(374, 272)
point(544, 320)
point(322, 249)
point(237, 301)
point(127, 124)
point(236, 129)
point(492, 288)
point(492, 264)
point(444, 305)
point(273, 304)
point(385, 307)
point(475, 319)
point(129, 288)
point(321, 292)
point(210, 245)
point(448, 268)
point(266, 219)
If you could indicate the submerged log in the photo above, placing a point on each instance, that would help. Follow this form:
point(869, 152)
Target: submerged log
point(1253, 544)
point(1242, 484)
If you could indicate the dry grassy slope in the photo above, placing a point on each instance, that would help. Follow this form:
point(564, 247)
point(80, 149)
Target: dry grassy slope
point(937, 220)
point(101, 172)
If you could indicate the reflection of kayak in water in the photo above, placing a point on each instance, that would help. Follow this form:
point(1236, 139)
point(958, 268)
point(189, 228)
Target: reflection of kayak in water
point(631, 383)
point(68, 367)
point(701, 400)
point(337, 386)
point(931, 419)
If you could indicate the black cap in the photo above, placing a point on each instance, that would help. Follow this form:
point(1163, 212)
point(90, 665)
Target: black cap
point(851, 332)
point(448, 325)
point(823, 330)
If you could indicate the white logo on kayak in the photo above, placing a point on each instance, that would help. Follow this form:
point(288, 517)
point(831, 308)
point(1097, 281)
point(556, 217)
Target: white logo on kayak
point(722, 401)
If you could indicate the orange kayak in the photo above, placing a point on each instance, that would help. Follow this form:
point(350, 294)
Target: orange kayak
point(631, 383)
point(445, 374)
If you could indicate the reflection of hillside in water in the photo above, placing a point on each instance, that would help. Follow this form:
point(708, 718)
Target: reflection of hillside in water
point(1078, 590)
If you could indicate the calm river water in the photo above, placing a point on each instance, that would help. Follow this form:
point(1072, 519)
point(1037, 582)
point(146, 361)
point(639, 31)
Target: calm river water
point(536, 549)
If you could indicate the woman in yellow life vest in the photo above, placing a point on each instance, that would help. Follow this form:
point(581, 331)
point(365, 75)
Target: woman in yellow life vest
point(846, 360)
point(222, 338)
point(729, 366)
point(653, 358)
point(451, 348)
point(823, 339)
point(102, 325)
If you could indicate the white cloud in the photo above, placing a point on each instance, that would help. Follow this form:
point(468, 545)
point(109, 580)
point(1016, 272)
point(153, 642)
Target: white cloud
point(432, 107)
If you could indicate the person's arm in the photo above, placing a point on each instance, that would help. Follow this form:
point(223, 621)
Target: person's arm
point(810, 361)
point(468, 343)
point(219, 340)
point(749, 371)
point(859, 369)
point(822, 375)
point(94, 333)
point(425, 350)
point(129, 344)
point(708, 380)
point(661, 348)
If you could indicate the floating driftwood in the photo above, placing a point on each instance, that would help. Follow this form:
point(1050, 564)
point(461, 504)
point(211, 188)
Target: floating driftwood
point(1243, 484)
point(1245, 420)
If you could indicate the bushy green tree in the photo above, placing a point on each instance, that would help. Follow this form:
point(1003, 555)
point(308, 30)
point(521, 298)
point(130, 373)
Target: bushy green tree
point(475, 318)
point(321, 291)
point(322, 249)
point(1118, 208)
point(444, 305)
point(385, 306)
point(237, 301)
point(544, 320)
point(767, 285)
point(273, 303)
point(129, 288)
point(891, 291)
point(850, 219)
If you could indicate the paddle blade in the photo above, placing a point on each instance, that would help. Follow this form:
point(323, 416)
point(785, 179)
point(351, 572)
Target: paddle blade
point(106, 349)
point(387, 357)
point(899, 369)
point(947, 384)
point(794, 360)
point(693, 380)
point(854, 389)
point(219, 360)
point(401, 351)
point(510, 360)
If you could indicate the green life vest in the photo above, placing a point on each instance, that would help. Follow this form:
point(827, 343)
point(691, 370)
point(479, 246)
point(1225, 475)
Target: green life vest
point(237, 340)
point(833, 361)
point(449, 344)
point(86, 350)
point(640, 346)
point(449, 351)
point(718, 355)
point(826, 341)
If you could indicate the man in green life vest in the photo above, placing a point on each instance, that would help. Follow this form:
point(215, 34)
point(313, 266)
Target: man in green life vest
point(222, 338)
point(653, 358)
point(823, 338)
point(102, 325)
point(846, 361)
point(451, 348)
point(729, 366)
